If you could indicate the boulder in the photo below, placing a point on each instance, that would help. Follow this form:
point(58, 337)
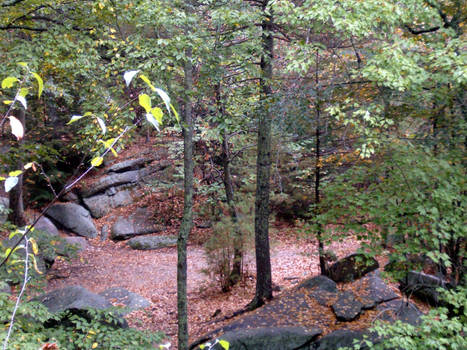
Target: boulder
point(323, 289)
point(399, 309)
point(140, 223)
point(351, 268)
point(44, 224)
point(72, 297)
point(341, 338)
point(347, 307)
point(73, 217)
point(271, 338)
point(4, 205)
point(71, 197)
point(77, 300)
point(152, 242)
point(79, 243)
point(112, 180)
point(423, 286)
point(101, 204)
point(371, 290)
point(130, 164)
point(132, 301)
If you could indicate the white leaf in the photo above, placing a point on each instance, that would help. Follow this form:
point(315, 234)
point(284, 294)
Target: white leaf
point(75, 118)
point(150, 118)
point(165, 98)
point(16, 128)
point(10, 182)
point(102, 125)
point(22, 100)
point(128, 76)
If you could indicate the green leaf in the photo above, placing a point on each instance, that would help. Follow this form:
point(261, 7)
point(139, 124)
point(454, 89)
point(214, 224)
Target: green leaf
point(15, 173)
point(145, 102)
point(23, 92)
point(8, 82)
point(10, 182)
point(225, 344)
point(175, 113)
point(147, 81)
point(97, 161)
point(40, 84)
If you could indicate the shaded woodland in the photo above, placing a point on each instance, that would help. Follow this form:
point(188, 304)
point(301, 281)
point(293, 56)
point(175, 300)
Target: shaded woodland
point(213, 126)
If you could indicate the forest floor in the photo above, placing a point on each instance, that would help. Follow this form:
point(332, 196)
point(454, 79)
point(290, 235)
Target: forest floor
point(152, 274)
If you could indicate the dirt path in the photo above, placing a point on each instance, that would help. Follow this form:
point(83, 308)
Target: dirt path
point(152, 274)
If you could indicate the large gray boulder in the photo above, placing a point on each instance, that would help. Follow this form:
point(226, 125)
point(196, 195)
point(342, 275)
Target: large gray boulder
point(152, 242)
point(270, 338)
point(73, 217)
point(139, 223)
point(4, 205)
point(79, 243)
point(112, 180)
point(132, 301)
point(130, 164)
point(101, 204)
point(44, 224)
point(72, 297)
point(351, 268)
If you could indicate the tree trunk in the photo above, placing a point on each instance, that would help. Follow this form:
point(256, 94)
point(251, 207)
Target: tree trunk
point(16, 215)
point(187, 221)
point(236, 271)
point(263, 167)
point(322, 260)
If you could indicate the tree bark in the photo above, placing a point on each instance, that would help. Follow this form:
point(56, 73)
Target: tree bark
point(16, 216)
point(263, 167)
point(187, 221)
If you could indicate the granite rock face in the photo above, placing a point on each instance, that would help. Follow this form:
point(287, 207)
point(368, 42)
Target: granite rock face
point(73, 217)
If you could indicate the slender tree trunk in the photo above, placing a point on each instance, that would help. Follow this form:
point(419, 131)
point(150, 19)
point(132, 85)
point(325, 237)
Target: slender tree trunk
point(236, 271)
point(263, 166)
point(322, 260)
point(16, 215)
point(187, 221)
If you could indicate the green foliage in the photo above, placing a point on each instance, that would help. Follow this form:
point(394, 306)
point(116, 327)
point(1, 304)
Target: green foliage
point(35, 326)
point(409, 196)
point(220, 247)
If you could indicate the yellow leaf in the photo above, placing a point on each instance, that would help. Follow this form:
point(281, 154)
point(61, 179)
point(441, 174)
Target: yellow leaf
point(147, 81)
point(97, 161)
point(94, 345)
point(15, 173)
point(35, 248)
point(224, 344)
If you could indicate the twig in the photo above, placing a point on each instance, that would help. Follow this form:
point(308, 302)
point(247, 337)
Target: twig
point(23, 288)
